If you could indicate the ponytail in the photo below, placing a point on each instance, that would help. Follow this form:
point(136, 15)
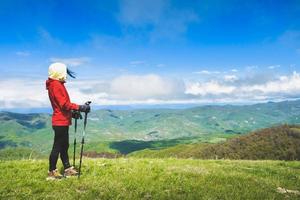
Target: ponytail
point(71, 73)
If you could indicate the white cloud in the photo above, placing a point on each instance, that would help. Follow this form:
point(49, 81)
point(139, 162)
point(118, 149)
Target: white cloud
point(150, 89)
point(74, 62)
point(207, 72)
point(273, 66)
point(288, 85)
point(208, 88)
point(137, 62)
point(283, 87)
point(127, 89)
point(234, 70)
point(155, 19)
point(251, 67)
point(202, 72)
point(23, 53)
point(22, 93)
point(230, 78)
point(143, 87)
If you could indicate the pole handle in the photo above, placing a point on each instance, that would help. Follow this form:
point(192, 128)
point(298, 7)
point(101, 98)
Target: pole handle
point(82, 140)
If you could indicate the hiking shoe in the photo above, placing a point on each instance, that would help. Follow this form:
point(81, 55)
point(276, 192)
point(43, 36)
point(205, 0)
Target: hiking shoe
point(71, 171)
point(54, 175)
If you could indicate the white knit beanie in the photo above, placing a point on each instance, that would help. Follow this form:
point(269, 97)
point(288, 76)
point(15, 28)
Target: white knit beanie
point(58, 71)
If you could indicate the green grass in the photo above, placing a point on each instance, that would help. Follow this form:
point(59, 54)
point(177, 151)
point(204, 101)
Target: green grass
point(178, 151)
point(19, 153)
point(275, 143)
point(132, 178)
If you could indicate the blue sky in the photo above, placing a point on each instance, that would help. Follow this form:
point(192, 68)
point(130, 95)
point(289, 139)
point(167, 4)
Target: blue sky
point(151, 51)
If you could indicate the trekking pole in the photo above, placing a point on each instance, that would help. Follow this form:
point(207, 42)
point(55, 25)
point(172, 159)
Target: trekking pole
point(82, 140)
point(74, 142)
point(77, 115)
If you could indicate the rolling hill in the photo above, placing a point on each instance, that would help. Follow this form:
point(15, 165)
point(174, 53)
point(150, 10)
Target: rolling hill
point(106, 127)
point(276, 143)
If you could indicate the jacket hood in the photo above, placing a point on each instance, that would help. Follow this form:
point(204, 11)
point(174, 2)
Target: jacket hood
point(50, 81)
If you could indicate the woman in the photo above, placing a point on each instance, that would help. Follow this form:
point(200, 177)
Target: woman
point(61, 119)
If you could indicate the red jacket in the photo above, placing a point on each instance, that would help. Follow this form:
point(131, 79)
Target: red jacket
point(60, 102)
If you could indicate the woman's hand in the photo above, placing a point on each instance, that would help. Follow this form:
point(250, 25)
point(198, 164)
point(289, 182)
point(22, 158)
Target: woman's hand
point(76, 114)
point(85, 108)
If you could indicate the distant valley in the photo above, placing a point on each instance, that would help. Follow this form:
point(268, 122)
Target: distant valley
point(106, 127)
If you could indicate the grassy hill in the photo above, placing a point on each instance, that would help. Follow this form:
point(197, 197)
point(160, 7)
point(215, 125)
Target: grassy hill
point(276, 143)
point(96, 149)
point(131, 178)
point(207, 132)
point(107, 129)
point(25, 131)
point(153, 124)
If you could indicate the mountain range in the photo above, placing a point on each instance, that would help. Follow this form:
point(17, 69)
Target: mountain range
point(106, 126)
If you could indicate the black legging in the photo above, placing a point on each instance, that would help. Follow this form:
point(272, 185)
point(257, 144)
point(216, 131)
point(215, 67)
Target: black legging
point(60, 146)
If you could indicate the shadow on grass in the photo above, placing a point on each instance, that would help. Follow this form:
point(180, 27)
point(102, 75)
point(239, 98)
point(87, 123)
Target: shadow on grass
point(128, 146)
